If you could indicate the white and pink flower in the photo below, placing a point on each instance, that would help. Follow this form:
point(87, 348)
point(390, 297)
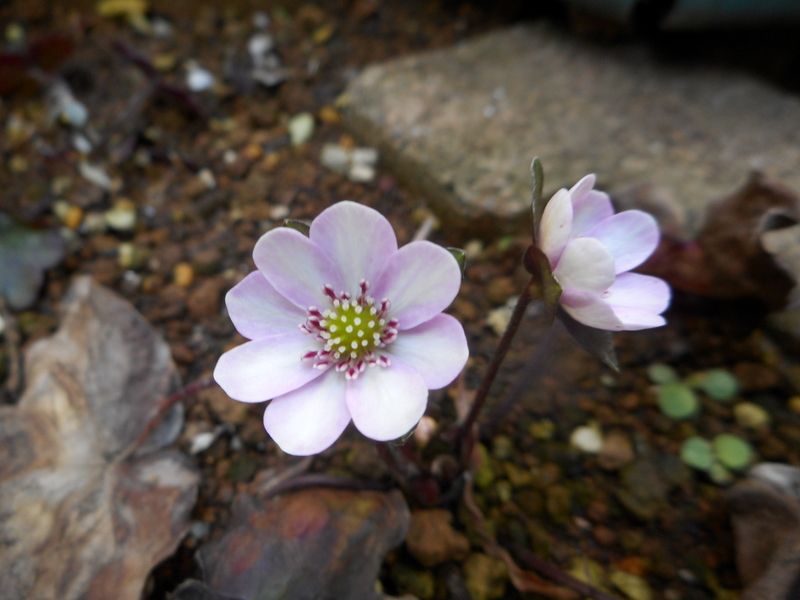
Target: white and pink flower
point(591, 251)
point(343, 326)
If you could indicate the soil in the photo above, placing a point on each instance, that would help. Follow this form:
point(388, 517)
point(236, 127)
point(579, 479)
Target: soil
point(208, 173)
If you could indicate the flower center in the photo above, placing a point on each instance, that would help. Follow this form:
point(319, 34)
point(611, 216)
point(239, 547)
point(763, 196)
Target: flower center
point(352, 332)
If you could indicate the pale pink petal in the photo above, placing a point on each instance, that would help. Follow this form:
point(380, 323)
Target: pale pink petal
point(420, 280)
point(630, 236)
point(583, 187)
point(589, 210)
point(555, 226)
point(641, 292)
point(590, 309)
point(585, 265)
point(309, 419)
point(296, 267)
point(359, 239)
point(634, 319)
point(436, 349)
point(633, 302)
point(386, 403)
point(266, 368)
point(258, 311)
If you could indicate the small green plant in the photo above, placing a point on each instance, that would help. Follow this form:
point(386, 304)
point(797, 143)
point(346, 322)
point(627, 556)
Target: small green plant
point(677, 398)
point(718, 384)
point(718, 457)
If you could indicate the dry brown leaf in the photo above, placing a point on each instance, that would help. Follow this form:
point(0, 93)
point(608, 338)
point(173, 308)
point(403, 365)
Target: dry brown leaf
point(319, 543)
point(728, 259)
point(82, 514)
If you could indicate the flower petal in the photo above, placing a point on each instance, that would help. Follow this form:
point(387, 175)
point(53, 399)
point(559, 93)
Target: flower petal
point(585, 265)
point(359, 239)
point(583, 187)
point(634, 319)
point(266, 368)
point(555, 226)
point(590, 309)
point(420, 280)
point(385, 403)
point(436, 349)
point(633, 302)
point(641, 292)
point(311, 418)
point(258, 311)
point(630, 236)
point(295, 266)
point(589, 210)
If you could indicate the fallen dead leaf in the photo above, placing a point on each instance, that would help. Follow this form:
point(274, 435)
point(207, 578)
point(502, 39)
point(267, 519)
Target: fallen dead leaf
point(86, 511)
point(728, 258)
point(320, 543)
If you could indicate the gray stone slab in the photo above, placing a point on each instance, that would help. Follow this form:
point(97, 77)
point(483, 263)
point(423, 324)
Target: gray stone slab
point(462, 124)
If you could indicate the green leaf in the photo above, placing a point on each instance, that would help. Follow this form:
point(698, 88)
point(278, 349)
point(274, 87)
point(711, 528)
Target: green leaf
point(677, 401)
point(719, 474)
point(732, 451)
point(597, 342)
point(661, 373)
point(25, 254)
point(537, 203)
point(697, 453)
point(298, 225)
point(719, 384)
point(460, 256)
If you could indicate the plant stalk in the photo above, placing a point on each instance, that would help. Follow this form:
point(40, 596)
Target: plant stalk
point(466, 437)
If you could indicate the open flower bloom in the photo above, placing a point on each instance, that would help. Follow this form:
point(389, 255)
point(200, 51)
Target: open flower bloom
point(591, 251)
point(343, 326)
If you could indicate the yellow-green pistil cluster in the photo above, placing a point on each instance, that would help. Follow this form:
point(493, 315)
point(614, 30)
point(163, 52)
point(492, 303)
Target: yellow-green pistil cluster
point(351, 332)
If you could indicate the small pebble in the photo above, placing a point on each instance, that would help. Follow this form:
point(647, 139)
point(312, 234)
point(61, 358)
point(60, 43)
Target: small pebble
point(499, 318)
point(122, 216)
point(198, 79)
point(587, 439)
point(301, 128)
point(183, 274)
point(751, 415)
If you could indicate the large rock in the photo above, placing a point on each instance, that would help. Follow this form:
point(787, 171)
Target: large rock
point(462, 124)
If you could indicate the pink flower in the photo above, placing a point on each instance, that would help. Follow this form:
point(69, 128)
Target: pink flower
point(591, 251)
point(343, 326)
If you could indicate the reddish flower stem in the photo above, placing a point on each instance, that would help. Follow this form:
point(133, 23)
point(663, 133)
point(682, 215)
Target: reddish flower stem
point(466, 437)
point(168, 402)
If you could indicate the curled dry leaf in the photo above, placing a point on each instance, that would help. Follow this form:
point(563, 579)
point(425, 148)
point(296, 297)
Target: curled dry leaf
point(728, 258)
point(83, 514)
point(314, 543)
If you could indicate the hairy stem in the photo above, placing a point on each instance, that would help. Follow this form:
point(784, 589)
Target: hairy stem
point(466, 437)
